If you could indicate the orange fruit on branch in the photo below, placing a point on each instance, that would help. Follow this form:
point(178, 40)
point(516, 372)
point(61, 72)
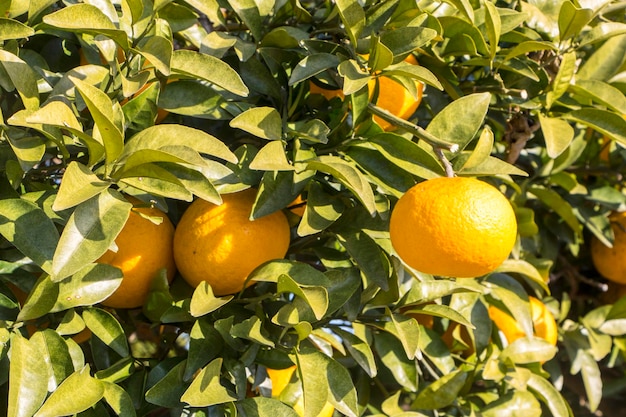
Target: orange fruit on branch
point(393, 97)
point(143, 248)
point(544, 325)
point(455, 227)
point(611, 262)
point(221, 245)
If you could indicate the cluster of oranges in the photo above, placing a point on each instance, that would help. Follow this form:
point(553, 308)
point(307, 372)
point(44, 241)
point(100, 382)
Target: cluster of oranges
point(219, 244)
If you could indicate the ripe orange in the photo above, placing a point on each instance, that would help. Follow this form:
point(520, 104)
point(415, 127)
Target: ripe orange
point(393, 97)
point(143, 248)
point(328, 93)
point(280, 380)
point(611, 262)
point(221, 245)
point(544, 324)
point(456, 227)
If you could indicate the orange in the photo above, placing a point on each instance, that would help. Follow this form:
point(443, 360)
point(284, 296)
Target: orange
point(611, 262)
point(544, 325)
point(221, 245)
point(328, 93)
point(393, 97)
point(143, 248)
point(455, 227)
point(280, 380)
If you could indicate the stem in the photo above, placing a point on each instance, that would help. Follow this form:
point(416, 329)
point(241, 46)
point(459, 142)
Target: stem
point(412, 128)
point(446, 164)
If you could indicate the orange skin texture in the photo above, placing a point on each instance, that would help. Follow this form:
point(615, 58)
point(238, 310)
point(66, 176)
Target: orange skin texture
point(455, 227)
point(143, 249)
point(544, 325)
point(221, 245)
point(611, 262)
point(280, 380)
point(393, 97)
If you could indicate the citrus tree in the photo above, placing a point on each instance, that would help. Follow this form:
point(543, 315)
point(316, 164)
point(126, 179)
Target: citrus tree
point(296, 128)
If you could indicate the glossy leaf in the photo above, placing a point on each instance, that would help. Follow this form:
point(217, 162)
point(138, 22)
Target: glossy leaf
point(441, 392)
point(206, 389)
point(13, 29)
point(86, 18)
point(87, 235)
point(460, 120)
point(557, 133)
point(106, 328)
point(79, 184)
point(28, 378)
point(548, 394)
point(28, 227)
point(264, 122)
point(22, 77)
point(208, 68)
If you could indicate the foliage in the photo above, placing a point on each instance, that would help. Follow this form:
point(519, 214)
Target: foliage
point(527, 95)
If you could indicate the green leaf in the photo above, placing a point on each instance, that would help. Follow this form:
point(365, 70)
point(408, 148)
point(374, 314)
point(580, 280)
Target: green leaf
point(353, 17)
point(349, 176)
point(528, 350)
point(12, 29)
point(101, 109)
point(442, 392)
point(602, 31)
point(514, 298)
point(206, 389)
point(205, 343)
point(460, 120)
point(316, 296)
point(89, 19)
point(248, 11)
point(592, 379)
point(204, 302)
point(263, 122)
point(547, 393)
point(89, 286)
point(324, 379)
point(524, 268)
point(321, 211)
point(28, 378)
point(464, 7)
point(603, 121)
point(513, 404)
point(563, 78)
point(32, 232)
point(602, 93)
point(557, 133)
point(605, 61)
point(354, 78)
point(525, 47)
point(87, 235)
point(106, 328)
point(407, 155)
point(402, 40)
point(572, 20)
point(368, 256)
point(57, 356)
point(482, 150)
point(23, 78)
point(79, 184)
point(360, 351)
point(166, 136)
point(312, 65)
point(81, 387)
point(264, 407)
point(166, 392)
point(119, 400)
point(208, 68)
point(393, 356)
point(493, 25)
point(553, 200)
point(407, 331)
